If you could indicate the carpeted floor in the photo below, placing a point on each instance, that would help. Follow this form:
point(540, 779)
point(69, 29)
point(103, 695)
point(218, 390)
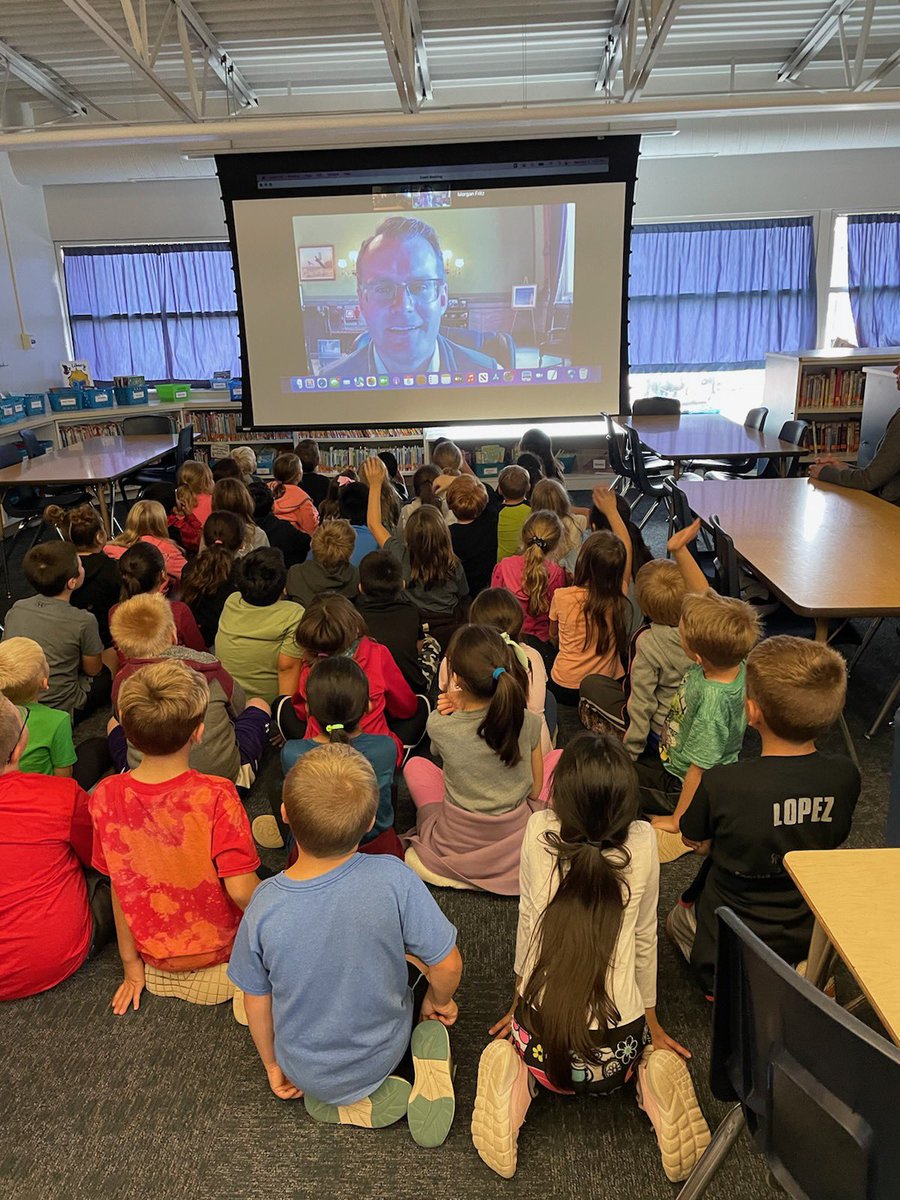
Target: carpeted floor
point(172, 1100)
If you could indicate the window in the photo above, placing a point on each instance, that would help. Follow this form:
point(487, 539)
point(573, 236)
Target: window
point(839, 326)
point(167, 312)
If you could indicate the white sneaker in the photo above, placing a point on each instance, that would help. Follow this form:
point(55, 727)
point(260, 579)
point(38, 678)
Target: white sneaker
point(666, 1094)
point(501, 1102)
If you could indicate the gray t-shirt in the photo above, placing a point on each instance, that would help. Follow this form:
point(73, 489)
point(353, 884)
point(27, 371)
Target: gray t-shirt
point(66, 635)
point(474, 776)
point(441, 599)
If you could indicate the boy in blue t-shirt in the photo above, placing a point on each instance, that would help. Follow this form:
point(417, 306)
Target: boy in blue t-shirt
point(335, 927)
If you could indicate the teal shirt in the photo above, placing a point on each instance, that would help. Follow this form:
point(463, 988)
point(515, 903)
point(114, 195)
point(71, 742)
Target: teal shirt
point(705, 723)
point(50, 742)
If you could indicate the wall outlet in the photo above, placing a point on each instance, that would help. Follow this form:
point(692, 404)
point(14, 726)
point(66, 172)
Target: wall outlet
point(27, 341)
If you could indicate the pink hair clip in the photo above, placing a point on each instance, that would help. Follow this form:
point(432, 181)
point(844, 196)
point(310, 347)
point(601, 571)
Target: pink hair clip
point(343, 480)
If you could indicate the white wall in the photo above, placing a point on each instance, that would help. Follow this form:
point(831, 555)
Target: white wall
point(35, 265)
point(151, 211)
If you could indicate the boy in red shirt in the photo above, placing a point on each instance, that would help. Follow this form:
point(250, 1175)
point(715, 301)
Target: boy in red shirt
point(52, 917)
point(176, 845)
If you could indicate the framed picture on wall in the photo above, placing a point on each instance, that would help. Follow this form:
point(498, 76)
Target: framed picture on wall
point(316, 262)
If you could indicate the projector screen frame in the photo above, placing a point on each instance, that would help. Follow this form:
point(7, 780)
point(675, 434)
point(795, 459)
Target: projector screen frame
point(239, 180)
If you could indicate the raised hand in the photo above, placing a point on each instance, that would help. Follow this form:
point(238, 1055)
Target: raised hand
point(605, 498)
point(682, 537)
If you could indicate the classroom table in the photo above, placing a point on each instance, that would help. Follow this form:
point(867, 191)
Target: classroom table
point(95, 464)
point(855, 897)
point(686, 437)
point(826, 551)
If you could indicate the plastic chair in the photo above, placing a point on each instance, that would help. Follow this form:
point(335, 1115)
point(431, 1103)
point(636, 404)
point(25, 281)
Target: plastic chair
point(680, 516)
point(26, 504)
point(656, 406)
point(817, 1090)
point(148, 423)
point(795, 432)
point(755, 420)
point(650, 485)
point(894, 693)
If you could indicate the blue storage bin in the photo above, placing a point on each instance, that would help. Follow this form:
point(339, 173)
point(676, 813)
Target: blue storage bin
point(96, 398)
point(64, 400)
point(35, 404)
point(12, 409)
point(234, 387)
point(132, 394)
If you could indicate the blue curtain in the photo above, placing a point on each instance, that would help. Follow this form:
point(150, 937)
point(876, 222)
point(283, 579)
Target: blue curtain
point(164, 312)
point(873, 246)
point(720, 295)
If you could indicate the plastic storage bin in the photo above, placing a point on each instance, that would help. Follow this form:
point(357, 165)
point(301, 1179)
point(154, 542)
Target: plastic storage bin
point(133, 394)
point(12, 409)
point(234, 387)
point(173, 393)
point(92, 398)
point(66, 400)
point(35, 404)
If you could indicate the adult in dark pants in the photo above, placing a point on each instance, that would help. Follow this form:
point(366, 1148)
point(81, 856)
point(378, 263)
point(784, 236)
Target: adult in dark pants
point(881, 476)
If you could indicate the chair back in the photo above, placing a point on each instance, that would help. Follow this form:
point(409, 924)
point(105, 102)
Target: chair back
point(150, 423)
point(24, 500)
point(819, 1090)
point(636, 468)
point(756, 419)
point(795, 432)
point(727, 570)
point(656, 406)
point(615, 444)
point(185, 448)
point(33, 447)
point(679, 508)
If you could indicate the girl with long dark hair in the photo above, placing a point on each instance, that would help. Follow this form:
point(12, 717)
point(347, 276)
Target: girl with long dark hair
point(583, 1020)
point(208, 579)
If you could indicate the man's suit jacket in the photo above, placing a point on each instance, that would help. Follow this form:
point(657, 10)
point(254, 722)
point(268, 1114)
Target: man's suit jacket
point(453, 358)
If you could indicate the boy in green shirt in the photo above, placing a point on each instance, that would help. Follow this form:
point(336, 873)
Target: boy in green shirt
point(24, 675)
point(512, 484)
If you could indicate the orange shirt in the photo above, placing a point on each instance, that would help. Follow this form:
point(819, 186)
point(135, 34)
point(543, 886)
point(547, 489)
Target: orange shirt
point(574, 662)
point(167, 847)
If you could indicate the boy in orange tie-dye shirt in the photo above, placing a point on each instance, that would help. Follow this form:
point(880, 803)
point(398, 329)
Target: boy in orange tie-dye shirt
point(176, 845)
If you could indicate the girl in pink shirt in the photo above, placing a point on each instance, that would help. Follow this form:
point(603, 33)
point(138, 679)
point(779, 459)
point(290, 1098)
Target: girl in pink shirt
point(147, 523)
point(193, 503)
point(532, 576)
point(291, 502)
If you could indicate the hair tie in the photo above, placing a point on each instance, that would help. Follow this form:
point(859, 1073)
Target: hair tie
point(538, 541)
point(343, 480)
point(217, 542)
point(517, 650)
point(333, 728)
point(497, 672)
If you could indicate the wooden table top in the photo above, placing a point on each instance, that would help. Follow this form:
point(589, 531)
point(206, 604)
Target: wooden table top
point(827, 551)
point(855, 897)
point(95, 460)
point(706, 435)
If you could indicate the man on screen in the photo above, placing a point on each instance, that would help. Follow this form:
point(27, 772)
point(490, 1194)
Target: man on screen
point(402, 290)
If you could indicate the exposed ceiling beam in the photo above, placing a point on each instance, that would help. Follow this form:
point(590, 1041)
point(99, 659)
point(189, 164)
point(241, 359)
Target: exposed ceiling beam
point(612, 50)
point(862, 42)
point(40, 80)
point(421, 52)
point(219, 59)
point(106, 33)
point(885, 68)
point(659, 31)
point(397, 35)
point(815, 41)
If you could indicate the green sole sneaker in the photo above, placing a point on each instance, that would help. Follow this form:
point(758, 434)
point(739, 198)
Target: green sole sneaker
point(386, 1106)
point(431, 1102)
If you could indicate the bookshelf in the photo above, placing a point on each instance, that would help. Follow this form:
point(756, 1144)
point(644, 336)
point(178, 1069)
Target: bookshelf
point(827, 388)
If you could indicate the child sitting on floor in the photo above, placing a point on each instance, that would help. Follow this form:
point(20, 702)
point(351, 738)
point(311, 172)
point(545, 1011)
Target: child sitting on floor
point(473, 534)
point(392, 619)
point(533, 575)
point(234, 726)
point(55, 912)
point(329, 569)
point(291, 501)
point(748, 815)
point(637, 706)
point(143, 572)
point(24, 676)
point(87, 533)
point(471, 815)
point(255, 642)
point(146, 522)
point(339, 1035)
point(176, 845)
point(282, 535)
point(551, 496)
point(706, 720)
point(231, 495)
point(193, 503)
point(69, 637)
point(513, 484)
point(208, 579)
point(583, 1019)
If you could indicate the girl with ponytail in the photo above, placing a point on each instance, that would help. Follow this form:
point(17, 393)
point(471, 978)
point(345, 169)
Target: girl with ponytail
point(291, 502)
point(533, 575)
point(472, 814)
point(100, 591)
point(143, 571)
point(208, 579)
point(337, 697)
point(584, 1018)
point(193, 503)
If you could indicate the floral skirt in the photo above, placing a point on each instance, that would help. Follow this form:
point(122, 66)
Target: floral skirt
point(618, 1053)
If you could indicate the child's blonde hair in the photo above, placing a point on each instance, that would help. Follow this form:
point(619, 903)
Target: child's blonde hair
point(161, 705)
point(245, 457)
point(10, 728)
point(659, 587)
point(549, 494)
point(717, 628)
point(799, 685)
point(513, 483)
point(146, 518)
point(23, 667)
point(467, 498)
point(333, 543)
point(194, 480)
point(143, 626)
point(330, 796)
point(448, 457)
point(541, 535)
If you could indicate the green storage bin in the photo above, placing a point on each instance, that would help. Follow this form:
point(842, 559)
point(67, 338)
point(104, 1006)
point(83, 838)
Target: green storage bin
point(173, 393)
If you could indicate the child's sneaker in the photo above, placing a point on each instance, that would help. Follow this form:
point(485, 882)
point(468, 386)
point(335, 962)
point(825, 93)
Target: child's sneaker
point(431, 1102)
point(266, 833)
point(666, 1094)
point(386, 1106)
point(501, 1102)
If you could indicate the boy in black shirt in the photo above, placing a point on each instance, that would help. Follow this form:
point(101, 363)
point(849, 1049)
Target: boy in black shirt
point(746, 816)
point(394, 620)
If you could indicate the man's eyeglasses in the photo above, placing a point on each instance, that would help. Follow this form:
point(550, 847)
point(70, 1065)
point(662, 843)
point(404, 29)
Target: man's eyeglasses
point(23, 717)
point(385, 291)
